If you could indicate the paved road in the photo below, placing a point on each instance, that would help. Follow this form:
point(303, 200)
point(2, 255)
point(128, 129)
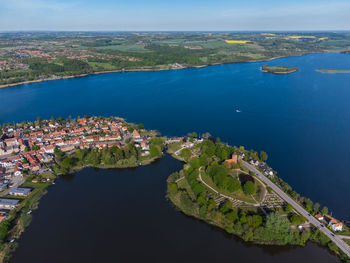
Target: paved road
point(18, 180)
point(337, 240)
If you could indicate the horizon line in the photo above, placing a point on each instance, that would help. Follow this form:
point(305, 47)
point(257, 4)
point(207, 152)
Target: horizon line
point(116, 31)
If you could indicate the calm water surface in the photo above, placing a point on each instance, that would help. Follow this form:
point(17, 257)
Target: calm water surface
point(123, 216)
point(301, 120)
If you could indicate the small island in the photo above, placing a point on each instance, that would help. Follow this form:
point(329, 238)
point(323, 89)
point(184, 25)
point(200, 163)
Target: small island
point(278, 69)
point(333, 70)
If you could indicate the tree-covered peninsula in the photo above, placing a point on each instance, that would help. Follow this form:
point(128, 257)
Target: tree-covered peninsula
point(216, 186)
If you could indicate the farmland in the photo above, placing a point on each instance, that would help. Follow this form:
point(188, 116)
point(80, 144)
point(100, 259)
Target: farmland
point(37, 56)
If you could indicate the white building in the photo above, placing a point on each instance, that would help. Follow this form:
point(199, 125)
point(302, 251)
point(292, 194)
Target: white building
point(335, 225)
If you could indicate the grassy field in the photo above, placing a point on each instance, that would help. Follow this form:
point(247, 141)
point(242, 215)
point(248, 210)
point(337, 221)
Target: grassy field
point(237, 41)
point(99, 65)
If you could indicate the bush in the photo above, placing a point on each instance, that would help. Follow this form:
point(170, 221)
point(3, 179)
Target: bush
point(249, 188)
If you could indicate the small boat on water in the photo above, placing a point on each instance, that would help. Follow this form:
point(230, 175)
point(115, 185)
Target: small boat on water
point(238, 111)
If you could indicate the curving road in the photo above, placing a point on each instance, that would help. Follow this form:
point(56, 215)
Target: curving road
point(336, 239)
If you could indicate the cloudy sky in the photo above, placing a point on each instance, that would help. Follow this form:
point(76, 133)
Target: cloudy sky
point(163, 15)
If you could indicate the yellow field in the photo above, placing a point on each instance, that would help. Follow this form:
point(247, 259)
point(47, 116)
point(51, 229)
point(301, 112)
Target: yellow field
point(268, 34)
point(291, 37)
point(323, 38)
point(237, 41)
point(298, 37)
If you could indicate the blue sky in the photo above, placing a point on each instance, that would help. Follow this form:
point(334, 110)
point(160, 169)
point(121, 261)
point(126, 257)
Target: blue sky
point(166, 15)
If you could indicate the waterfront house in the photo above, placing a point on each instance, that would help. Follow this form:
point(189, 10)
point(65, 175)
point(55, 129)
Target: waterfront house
point(254, 162)
point(20, 191)
point(8, 203)
point(319, 217)
point(335, 225)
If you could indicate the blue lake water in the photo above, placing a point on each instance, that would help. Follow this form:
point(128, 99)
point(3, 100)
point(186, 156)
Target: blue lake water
point(302, 120)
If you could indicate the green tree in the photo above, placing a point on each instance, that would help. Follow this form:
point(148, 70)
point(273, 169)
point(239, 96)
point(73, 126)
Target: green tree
point(277, 228)
point(263, 156)
point(153, 150)
point(67, 164)
point(249, 188)
point(232, 216)
point(243, 219)
point(36, 148)
point(316, 208)
point(186, 153)
point(226, 207)
point(257, 220)
point(211, 204)
point(288, 208)
point(193, 135)
point(324, 210)
point(297, 220)
point(308, 205)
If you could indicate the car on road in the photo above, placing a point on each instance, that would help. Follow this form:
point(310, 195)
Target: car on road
point(332, 235)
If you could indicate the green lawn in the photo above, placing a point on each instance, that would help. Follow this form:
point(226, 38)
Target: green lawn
point(173, 147)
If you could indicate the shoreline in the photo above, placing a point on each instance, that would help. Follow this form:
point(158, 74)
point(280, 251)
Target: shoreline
point(2, 86)
point(333, 71)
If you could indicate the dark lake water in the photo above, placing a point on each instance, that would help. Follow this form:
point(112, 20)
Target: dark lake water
point(301, 120)
point(123, 216)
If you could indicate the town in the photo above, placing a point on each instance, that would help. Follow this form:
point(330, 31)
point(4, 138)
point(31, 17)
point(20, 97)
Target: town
point(28, 149)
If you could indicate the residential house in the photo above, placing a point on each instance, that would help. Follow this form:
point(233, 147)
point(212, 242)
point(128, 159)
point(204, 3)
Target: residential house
point(319, 217)
point(335, 225)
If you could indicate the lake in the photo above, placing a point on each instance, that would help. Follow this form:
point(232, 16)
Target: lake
point(302, 120)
